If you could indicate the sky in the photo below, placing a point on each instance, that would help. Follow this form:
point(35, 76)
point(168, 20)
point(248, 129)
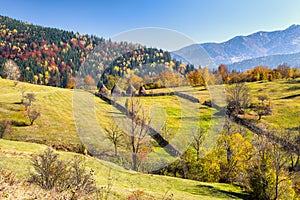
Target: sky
point(200, 20)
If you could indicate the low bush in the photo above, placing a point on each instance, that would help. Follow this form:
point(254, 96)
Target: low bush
point(5, 127)
point(49, 172)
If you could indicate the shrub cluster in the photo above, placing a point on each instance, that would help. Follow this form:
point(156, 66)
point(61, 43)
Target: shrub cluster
point(49, 172)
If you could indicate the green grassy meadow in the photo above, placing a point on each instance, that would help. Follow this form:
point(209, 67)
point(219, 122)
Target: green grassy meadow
point(72, 118)
point(56, 127)
point(17, 156)
point(285, 102)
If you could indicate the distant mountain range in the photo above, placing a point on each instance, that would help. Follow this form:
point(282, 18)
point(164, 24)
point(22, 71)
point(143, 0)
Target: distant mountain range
point(273, 61)
point(244, 52)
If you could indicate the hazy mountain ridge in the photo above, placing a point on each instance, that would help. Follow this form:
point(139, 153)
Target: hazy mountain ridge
point(270, 61)
point(256, 45)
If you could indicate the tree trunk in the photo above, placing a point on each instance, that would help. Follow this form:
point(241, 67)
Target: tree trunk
point(276, 184)
point(134, 154)
point(198, 154)
point(134, 161)
point(184, 168)
point(116, 150)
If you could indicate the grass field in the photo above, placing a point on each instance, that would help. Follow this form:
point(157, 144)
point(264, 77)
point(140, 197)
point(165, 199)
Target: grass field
point(16, 156)
point(62, 109)
point(283, 94)
point(58, 107)
point(285, 102)
point(70, 118)
point(54, 127)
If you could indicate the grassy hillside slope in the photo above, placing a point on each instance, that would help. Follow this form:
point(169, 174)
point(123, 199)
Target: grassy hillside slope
point(285, 102)
point(16, 157)
point(284, 96)
point(56, 127)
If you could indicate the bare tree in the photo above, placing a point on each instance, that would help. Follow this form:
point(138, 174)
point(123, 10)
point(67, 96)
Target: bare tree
point(11, 70)
point(238, 98)
point(262, 98)
point(279, 163)
point(258, 172)
point(262, 108)
point(115, 135)
point(32, 115)
point(27, 99)
point(198, 136)
point(50, 172)
point(30, 97)
point(229, 130)
point(139, 128)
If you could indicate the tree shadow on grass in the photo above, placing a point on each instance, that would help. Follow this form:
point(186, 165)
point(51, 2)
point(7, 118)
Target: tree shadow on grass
point(210, 191)
point(290, 97)
point(15, 106)
point(296, 128)
point(115, 113)
point(293, 81)
point(293, 88)
point(202, 89)
point(19, 123)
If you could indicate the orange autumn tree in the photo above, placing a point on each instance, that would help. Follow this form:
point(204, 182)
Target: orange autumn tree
point(195, 78)
point(89, 82)
point(223, 72)
point(71, 83)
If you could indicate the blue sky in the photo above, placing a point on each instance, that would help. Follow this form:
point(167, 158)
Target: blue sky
point(201, 20)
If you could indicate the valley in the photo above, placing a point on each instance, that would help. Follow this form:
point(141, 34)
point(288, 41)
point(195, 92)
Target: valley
point(84, 117)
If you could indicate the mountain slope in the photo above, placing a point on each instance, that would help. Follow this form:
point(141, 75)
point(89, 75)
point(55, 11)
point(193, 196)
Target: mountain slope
point(270, 61)
point(256, 45)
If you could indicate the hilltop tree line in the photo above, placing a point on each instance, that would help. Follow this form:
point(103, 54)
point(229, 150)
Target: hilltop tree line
point(54, 57)
point(159, 70)
point(151, 67)
point(258, 73)
point(51, 56)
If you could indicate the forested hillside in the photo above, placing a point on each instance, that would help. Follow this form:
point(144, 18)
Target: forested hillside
point(50, 56)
